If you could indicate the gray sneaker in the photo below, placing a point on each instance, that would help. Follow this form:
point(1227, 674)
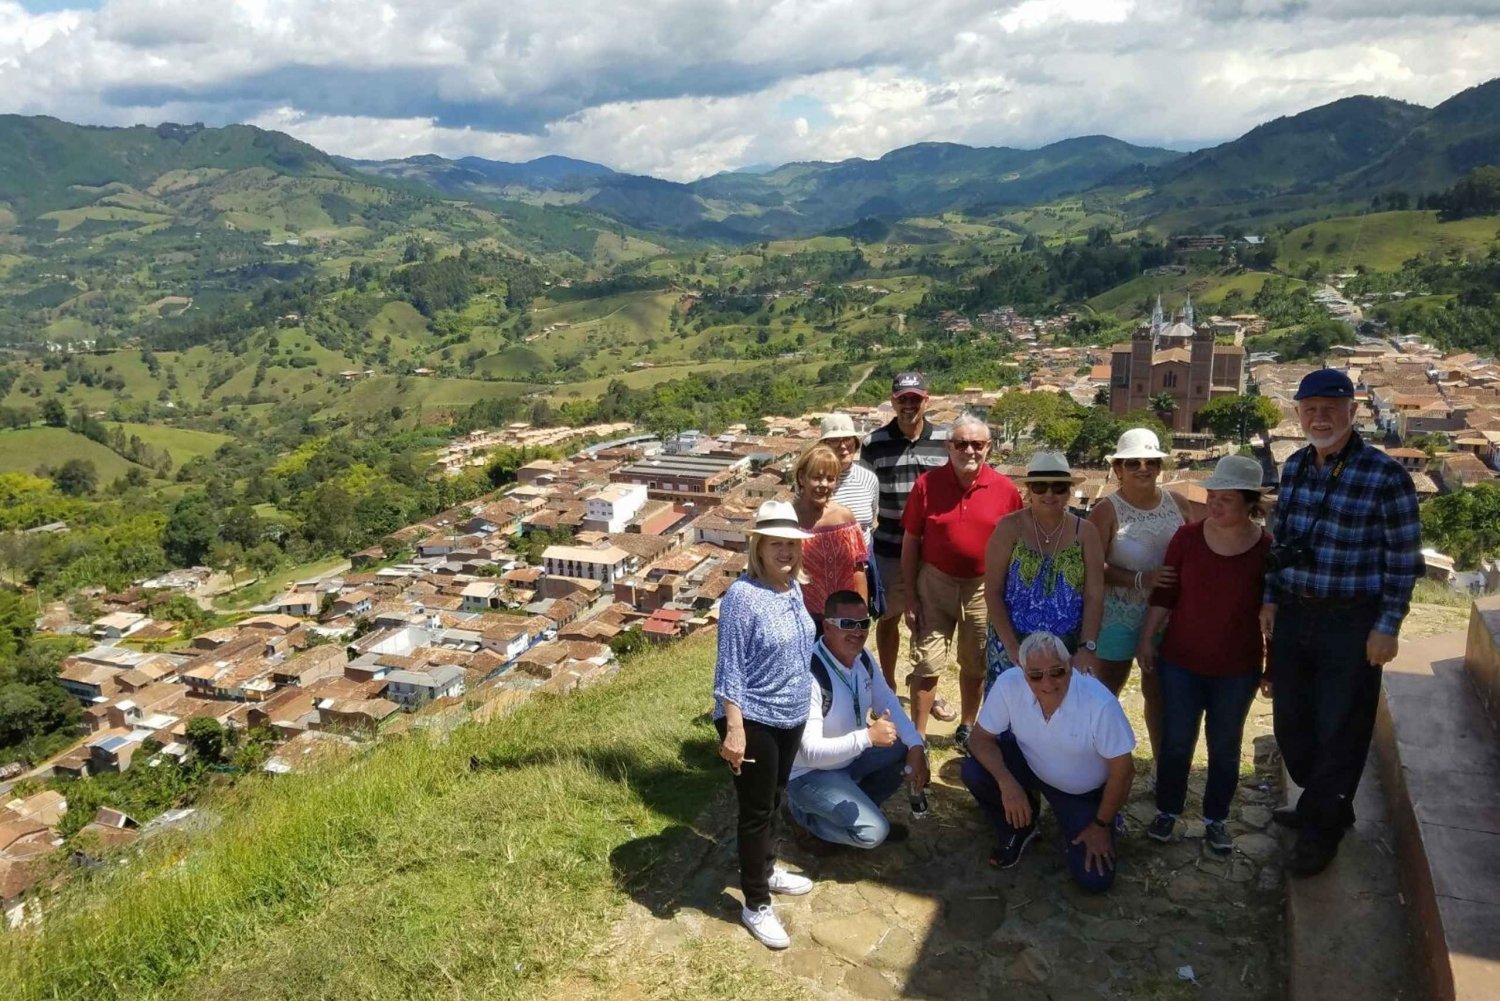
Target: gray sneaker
point(1161, 828)
point(1217, 837)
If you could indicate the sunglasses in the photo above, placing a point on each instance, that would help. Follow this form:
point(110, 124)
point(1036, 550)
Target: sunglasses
point(1134, 464)
point(1056, 488)
point(851, 624)
point(969, 446)
point(1053, 673)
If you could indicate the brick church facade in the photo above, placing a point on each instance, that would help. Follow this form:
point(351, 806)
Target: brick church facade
point(1177, 358)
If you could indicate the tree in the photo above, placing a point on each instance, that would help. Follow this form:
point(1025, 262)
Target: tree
point(208, 739)
point(1238, 416)
point(54, 414)
point(264, 558)
point(628, 643)
point(191, 529)
point(1163, 405)
point(1464, 524)
point(15, 623)
point(76, 477)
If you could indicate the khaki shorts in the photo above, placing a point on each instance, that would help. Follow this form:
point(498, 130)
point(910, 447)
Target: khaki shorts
point(892, 584)
point(954, 619)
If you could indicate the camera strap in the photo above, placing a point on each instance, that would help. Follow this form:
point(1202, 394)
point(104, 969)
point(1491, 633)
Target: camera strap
point(1339, 462)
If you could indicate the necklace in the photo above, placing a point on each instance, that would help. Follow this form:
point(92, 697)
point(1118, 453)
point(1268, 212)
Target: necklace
point(1050, 537)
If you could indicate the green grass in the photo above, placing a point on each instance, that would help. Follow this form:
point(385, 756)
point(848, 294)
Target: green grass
point(266, 588)
point(1133, 298)
point(182, 444)
point(25, 449)
point(405, 874)
point(1382, 241)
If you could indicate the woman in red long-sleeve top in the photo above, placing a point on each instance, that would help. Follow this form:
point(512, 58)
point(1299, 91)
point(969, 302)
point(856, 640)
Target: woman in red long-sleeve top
point(1212, 656)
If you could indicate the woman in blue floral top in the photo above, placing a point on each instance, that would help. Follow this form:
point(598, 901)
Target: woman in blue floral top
point(1044, 571)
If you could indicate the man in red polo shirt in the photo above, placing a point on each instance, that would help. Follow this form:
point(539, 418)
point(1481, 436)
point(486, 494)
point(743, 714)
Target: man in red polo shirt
point(947, 524)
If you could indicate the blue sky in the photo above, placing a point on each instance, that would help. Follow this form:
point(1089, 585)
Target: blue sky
point(685, 88)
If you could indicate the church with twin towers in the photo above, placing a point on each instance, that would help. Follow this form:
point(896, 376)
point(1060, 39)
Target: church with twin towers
point(1181, 359)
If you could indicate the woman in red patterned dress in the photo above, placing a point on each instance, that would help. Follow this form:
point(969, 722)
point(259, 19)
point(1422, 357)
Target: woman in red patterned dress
point(834, 558)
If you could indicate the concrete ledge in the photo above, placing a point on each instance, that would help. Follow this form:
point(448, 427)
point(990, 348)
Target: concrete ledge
point(1439, 759)
point(1482, 654)
point(1348, 938)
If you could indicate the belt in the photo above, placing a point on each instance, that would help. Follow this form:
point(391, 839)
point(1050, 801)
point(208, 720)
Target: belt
point(1328, 601)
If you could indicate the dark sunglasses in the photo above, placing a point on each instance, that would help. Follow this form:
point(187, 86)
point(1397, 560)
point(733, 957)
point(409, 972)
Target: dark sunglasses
point(850, 624)
point(1134, 464)
point(1053, 673)
point(1056, 488)
point(969, 446)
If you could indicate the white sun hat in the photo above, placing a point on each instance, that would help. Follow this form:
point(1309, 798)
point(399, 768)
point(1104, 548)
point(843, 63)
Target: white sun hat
point(838, 426)
point(1049, 467)
point(779, 520)
point(1236, 472)
point(1137, 443)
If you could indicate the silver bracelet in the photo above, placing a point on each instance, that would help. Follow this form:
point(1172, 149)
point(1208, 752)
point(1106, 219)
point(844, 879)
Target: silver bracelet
point(1137, 580)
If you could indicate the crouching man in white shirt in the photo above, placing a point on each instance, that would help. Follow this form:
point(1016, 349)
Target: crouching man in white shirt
point(858, 742)
point(1046, 728)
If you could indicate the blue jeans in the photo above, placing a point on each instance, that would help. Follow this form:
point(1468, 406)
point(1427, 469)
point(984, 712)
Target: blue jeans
point(1074, 811)
point(842, 805)
point(1186, 699)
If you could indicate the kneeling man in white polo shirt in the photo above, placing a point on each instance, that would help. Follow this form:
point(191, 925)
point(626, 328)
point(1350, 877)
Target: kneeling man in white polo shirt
point(1046, 728)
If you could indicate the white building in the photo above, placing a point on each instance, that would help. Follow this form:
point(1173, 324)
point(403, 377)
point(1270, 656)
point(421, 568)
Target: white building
point(605, 564)
point(410, 689)
point(612, 508)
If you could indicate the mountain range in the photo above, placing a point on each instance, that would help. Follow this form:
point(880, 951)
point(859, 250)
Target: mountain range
point(55, 176)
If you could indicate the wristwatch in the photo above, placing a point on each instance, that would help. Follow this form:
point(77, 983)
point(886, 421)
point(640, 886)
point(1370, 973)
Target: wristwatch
point(1106, 824)
point(1090, 646)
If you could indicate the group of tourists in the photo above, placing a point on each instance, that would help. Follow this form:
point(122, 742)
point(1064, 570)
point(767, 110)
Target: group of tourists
point(1045, 611)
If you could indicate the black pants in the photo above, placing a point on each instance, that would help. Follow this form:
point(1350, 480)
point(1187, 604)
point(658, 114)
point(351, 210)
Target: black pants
point(1325, 693)
point(760, 787)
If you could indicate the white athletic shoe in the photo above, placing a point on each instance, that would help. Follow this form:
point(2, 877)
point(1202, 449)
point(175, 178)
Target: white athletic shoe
point(765, 926)
point(789, 883)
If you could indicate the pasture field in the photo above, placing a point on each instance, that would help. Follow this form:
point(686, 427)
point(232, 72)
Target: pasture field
point(23, 450)
point(1382, 241)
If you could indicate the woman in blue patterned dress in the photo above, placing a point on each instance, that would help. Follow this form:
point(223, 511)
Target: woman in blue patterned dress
point(1044, 571)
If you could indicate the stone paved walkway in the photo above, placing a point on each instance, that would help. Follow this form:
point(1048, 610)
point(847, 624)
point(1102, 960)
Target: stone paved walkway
point(931, 919)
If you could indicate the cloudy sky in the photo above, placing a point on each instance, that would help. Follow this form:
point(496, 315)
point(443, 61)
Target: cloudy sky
point(685, 88)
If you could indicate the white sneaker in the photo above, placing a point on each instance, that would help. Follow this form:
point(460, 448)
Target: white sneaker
point(765, 926)
point(788, 883)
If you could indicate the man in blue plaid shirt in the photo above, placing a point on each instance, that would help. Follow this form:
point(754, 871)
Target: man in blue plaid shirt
point(1348, 542)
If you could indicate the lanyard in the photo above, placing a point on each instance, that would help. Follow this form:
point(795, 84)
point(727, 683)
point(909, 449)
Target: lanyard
point(837, 670)
point(1339, 462)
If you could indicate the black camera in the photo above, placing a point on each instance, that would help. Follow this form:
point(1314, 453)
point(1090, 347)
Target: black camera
point(1285, 555)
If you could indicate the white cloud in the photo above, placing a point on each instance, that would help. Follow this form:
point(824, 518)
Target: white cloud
point(679, 88)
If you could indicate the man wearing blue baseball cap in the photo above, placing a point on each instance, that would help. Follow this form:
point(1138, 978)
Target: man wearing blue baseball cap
point(1339, 577)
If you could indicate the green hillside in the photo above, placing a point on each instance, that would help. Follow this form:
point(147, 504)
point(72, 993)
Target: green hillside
point(407, 874)
point(1383, 241)
point(24, 450)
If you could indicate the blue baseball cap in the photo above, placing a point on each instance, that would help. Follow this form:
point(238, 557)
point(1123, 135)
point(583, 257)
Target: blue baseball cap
point(1328, 382)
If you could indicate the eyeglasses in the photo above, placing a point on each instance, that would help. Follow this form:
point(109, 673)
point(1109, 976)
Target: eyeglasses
point(969, 446)
point(1054, 673)
point(851, 624)
point(1134, 464)
point(1056, 488)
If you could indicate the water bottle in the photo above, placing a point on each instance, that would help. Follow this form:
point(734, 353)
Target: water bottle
point(918, 797)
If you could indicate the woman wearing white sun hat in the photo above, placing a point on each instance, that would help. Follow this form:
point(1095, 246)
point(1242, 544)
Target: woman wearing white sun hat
point(1212, 656)
point(761, 691)
point(1135, 523)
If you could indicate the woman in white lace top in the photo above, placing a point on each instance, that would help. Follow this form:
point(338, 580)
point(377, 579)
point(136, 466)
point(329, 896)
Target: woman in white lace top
point(1135, 523)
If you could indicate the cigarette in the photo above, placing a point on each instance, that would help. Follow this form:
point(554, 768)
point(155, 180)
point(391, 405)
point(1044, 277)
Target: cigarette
point(747, 761)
